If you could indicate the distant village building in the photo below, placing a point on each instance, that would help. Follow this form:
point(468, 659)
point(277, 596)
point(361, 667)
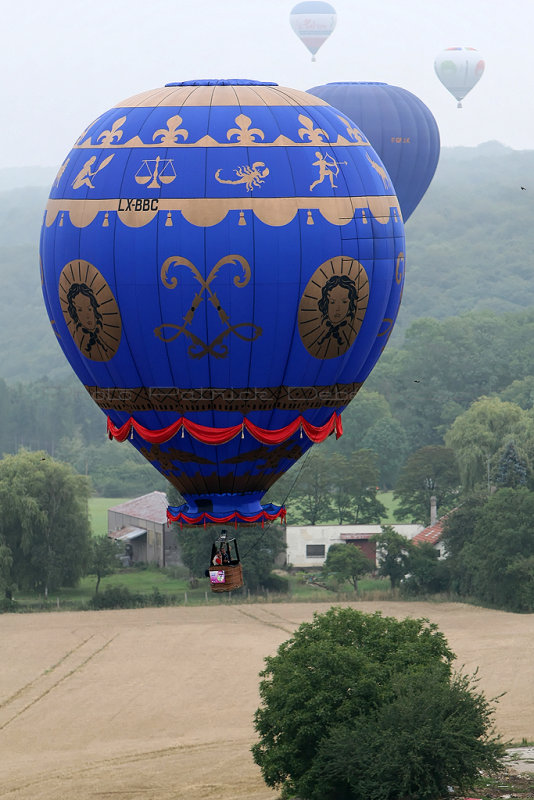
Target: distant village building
point(141, 524)
point(433, 535)
point(307, 546)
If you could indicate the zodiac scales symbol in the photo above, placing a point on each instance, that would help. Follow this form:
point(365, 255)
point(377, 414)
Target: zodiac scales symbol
point(198, 348)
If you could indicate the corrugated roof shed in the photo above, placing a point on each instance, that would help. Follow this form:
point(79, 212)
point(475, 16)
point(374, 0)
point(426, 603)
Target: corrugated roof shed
point(151, 506)
point(127, 533)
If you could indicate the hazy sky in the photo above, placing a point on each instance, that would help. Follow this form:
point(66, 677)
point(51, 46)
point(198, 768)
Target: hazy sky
point(64, 62)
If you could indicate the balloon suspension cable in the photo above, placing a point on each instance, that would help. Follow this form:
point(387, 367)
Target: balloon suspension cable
point(270, 522)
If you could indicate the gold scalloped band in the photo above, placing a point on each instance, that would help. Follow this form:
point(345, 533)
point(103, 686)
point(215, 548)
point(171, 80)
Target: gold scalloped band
point(244, 401)
point(205, 212)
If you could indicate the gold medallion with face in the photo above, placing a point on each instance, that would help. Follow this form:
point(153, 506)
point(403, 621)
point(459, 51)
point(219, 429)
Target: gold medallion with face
point(90, 310)
point(333, 307)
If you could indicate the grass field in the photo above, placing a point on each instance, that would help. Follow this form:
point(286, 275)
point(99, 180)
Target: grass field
point(174, 584)
point(98, 512)
point(386, 498)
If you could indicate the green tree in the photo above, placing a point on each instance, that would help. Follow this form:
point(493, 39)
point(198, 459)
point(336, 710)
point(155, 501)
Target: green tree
point(394, 552)
point(353, 486)
point(365, 411)
point(511, 469)
point(354, 706)
point(44, 521)
point(347, 562)
point(364, 477)
point(313, 489)
point(496, 562)
point(520, 392)
point(458, 529)
point(428, 573)
point(341, 486)
point(430, 471)
point(6, 562)
point(478, 434)
point(431, 734)
point(388, 440)
point(104, 558)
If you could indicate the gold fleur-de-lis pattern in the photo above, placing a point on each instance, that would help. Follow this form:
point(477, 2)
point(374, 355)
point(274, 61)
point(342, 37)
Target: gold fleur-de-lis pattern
point(170, 134)
point(309, 133)
point(114, 134)
point(244, 133)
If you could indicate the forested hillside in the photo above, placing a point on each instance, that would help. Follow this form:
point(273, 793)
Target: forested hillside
point(27, 345)
point(470, 243)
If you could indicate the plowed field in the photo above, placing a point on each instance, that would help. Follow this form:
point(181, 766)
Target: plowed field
point(157, 704)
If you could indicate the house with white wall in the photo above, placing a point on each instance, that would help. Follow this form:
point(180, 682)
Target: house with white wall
point(307, 545)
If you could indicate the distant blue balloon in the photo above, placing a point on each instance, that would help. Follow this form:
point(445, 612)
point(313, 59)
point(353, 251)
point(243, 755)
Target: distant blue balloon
point(399, 126)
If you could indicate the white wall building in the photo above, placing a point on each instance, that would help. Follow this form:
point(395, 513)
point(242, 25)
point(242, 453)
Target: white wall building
point(307, 546)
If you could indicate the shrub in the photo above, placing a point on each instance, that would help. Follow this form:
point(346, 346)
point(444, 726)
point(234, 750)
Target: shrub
point(277, 583)
point(117, 597)
point(358, 706)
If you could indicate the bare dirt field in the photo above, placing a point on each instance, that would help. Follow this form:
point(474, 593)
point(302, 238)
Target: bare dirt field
point(157, 704)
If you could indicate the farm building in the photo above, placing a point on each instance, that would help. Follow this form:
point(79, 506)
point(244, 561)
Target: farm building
point(307, 546)
point(432, 534)
point(141, 524)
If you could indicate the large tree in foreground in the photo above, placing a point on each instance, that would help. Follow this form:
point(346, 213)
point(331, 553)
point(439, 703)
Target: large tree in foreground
point(358, 706)
point(44, 521)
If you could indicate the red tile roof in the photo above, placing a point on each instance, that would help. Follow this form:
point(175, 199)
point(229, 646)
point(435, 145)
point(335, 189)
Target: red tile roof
point(151, 507)
point(431, 534)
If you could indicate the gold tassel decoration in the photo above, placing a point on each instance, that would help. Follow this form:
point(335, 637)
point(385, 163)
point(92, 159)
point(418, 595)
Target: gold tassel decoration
point(242, 220)
point(310, 221)
point(105, 224)
point(168, 221)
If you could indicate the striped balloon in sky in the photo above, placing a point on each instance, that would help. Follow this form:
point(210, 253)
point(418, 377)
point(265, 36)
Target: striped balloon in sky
point(313, 21)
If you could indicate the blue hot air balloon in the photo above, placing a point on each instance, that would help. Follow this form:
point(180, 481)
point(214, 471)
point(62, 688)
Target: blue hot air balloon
point(220, 263)
point(401, 129)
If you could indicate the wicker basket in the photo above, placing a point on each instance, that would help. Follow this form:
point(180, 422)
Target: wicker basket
point(232, 575)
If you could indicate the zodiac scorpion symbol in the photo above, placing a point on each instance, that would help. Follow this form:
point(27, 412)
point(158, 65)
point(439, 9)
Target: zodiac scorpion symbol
point(198, 348)
point(250, 176)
